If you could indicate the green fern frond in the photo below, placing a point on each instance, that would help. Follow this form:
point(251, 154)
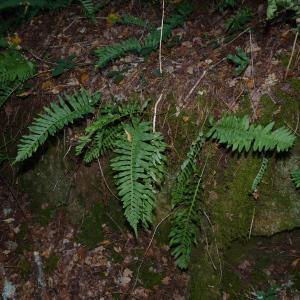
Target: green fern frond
point(55, 117)
point(109, 53)
point(185, 200)
point(185, 224)
point(42, 4)
point(6, 91)
point(238, 21)
point(239, 135)
point(99, 136)
point(296, 177)
point(89, 8)
point(135, 21)
point(257, 180)
point(187, 169)
point(13, 66)
point(139, 165)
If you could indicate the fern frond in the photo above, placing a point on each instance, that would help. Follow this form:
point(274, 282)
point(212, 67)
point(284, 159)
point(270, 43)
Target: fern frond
point(104, 140)
point(55, 117)
point(89, 8)
point(296, 177)
point(109, 53)
point(99, 136)
point(139, 165)
point(239, 135)
point(185, 224)
point(187, 169)
point(13, 66)
point(257, 180)
point(135, 21)
point(185, 200)
point(6, 91)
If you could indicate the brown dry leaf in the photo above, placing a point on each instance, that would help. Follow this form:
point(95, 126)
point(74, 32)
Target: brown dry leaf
point(105, 242)
point(129, 136)
point(185, 119)
point(250, 84)
point(84, 77)
point(47, 85)
point(295, 262)
point(14, 40)
point(166, 280)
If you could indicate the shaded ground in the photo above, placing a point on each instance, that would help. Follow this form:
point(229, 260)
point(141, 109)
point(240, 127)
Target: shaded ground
point(77, 268)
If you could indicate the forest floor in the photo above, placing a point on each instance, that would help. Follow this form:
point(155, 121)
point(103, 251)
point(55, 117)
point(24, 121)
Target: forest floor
point(118, 266)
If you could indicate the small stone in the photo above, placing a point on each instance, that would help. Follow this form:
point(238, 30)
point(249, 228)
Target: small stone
point(190, 70)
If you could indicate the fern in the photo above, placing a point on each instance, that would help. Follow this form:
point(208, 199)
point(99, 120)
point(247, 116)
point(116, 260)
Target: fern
point(225, 4)
point(139, 166)
point(89, 8)
point(13, 66)
point(6, 91)
point(241, 61)
point(238, 21)
point(109, 53)
point(257, 180)
point(42, 4)
point(101, 134)
point(150, 43)
point(239, 135)
point(296, 177)
point(132, 20)
point(185, 200)
point(274, 6)
point(55, 117)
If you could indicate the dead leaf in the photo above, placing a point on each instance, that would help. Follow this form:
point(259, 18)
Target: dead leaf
point(129, 136)
point(295, 262)
point(84, 77)
point(112, 19)
point(185, 119)
point(166, 280)
point(14, 40)
point(47, 85)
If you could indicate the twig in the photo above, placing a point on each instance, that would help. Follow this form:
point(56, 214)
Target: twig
point(155, 110)
point(292, 54)
point(199, 80)
point(106, 184)
point(161, 35)
point(252, 59)
point(148, 247)
point(251, 225)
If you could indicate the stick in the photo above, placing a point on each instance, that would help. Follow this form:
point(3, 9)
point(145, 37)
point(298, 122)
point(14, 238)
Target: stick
point(155, 110)
point(161, 35)
point(291, 58)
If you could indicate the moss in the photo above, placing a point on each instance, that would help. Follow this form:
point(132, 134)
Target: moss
point(149, 277)
point(25, 268)
point(295, 84)
point(91, 233)
point(51, 263)
point(42, 212)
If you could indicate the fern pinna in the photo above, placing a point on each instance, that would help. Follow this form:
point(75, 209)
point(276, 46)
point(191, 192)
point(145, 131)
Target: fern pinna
point(55, 117)
point(14, 70)
point(102, 133)
point(296, 177)
point(238, 134)
point(185, 201)
point(139, 166)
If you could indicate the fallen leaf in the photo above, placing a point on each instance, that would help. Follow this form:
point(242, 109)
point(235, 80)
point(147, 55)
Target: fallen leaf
point(14, 40)
point(166, 280)
point(47, 85)
point(84, 77)
point(112, 19)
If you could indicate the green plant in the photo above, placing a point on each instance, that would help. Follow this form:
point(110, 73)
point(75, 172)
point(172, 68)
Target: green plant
point(139, 167)
point(238, 134)
point(149, 44)
point(296, 177)
point(241, 61)
point(135, 21)
point(257, 180)
point(14, 70)
point(225, 4)
point(64, 65)
point(101, 135)
point(55, 118)
point(185, 200)
point(275, 6)
point(238, 20)
point(89, 8)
